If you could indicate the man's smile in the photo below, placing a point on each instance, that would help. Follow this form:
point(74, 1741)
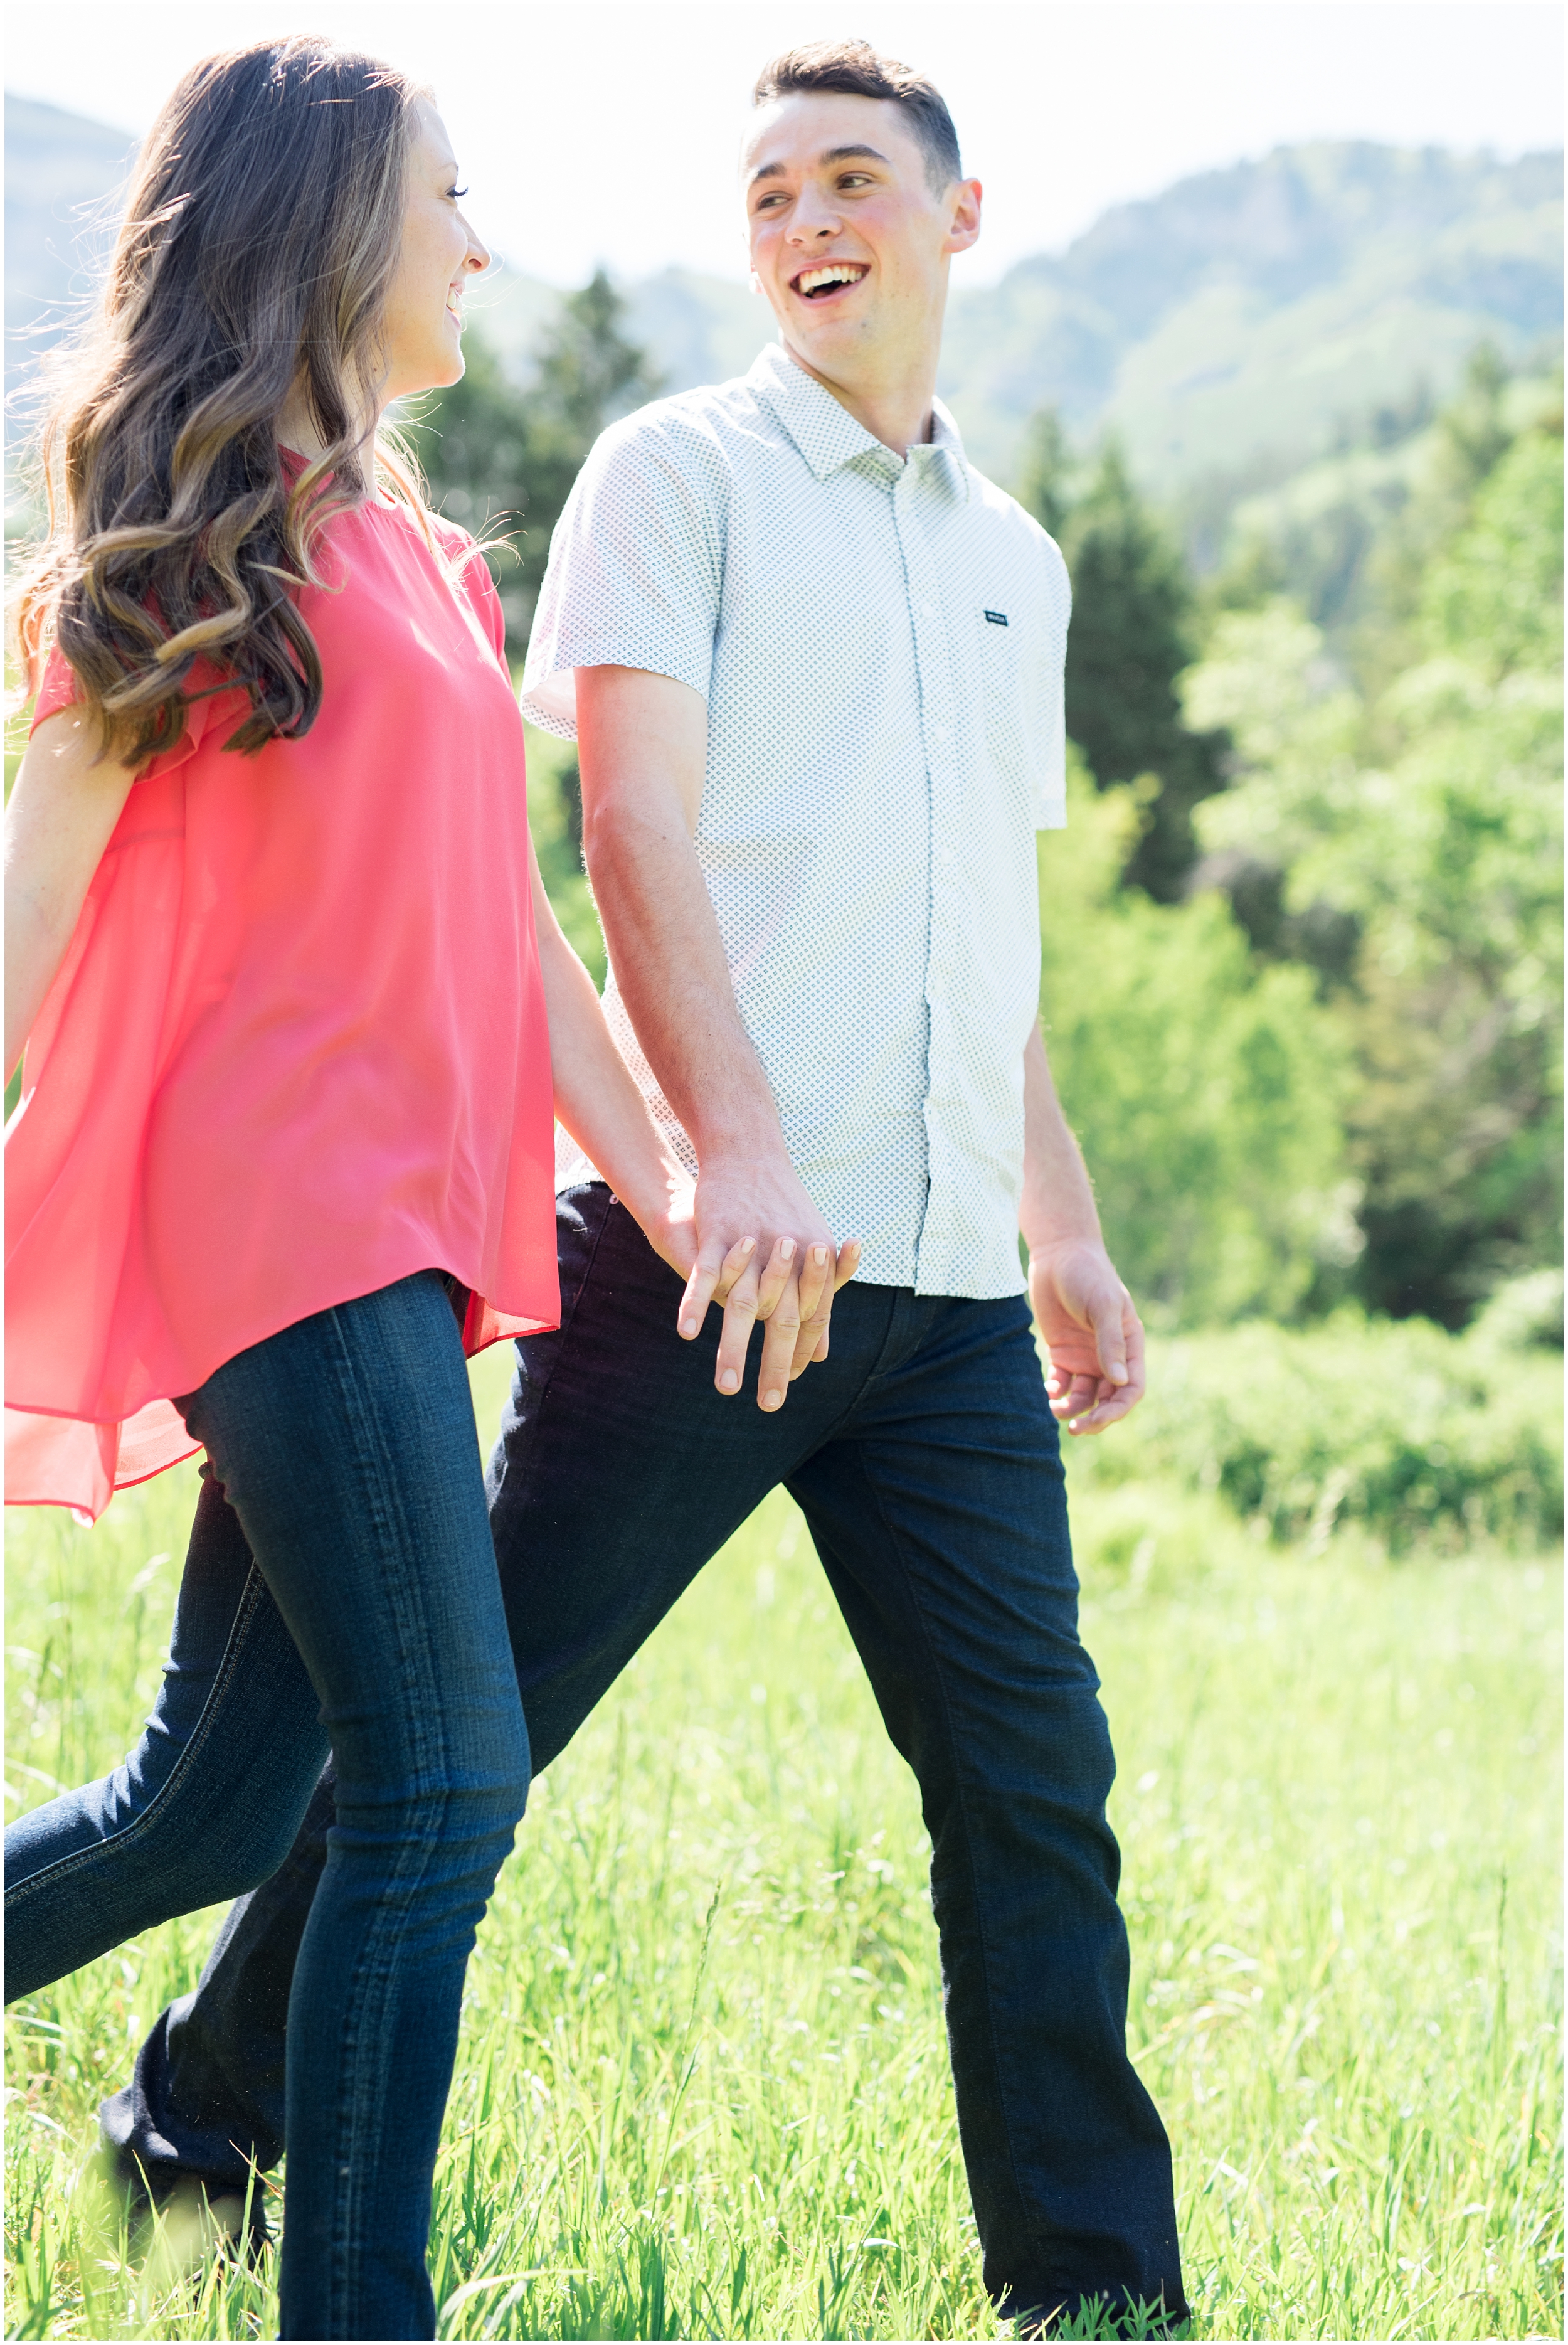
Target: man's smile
point(825, 279)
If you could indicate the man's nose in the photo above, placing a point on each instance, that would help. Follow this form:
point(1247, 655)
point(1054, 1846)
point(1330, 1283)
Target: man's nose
point(815, 216)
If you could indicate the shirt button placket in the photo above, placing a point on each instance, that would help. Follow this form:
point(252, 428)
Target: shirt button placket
point(937, 719)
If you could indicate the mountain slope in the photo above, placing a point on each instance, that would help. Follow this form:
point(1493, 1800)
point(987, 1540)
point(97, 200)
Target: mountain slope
point(59, 169)
point(1235, 318)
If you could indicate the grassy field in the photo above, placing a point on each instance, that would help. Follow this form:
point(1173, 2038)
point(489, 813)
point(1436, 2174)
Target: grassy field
point(703, 2088)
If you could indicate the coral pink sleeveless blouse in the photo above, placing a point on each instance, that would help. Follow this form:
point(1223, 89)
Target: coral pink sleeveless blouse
point(297, 1049)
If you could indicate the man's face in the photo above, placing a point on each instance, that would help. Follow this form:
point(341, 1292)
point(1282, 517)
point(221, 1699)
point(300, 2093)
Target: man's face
point(848, 241)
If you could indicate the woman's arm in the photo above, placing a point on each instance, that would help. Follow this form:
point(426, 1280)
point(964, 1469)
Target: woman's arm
point(599, 1104)
point(65, 805)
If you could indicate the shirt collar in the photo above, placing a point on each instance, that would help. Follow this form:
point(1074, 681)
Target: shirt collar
point(828, 436)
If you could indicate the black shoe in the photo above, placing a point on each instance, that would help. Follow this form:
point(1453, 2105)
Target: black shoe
point(185, 2221)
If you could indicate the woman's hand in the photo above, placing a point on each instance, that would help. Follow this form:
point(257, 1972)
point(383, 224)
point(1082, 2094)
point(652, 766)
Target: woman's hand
point(670, 1222)
point(63, 811)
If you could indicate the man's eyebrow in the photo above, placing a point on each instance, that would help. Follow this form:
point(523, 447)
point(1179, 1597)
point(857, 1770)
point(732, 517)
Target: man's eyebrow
point(831, 155)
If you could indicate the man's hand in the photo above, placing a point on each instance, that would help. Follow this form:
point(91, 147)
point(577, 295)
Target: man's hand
point(764, 1252)
point(1092, 1332)
point(1082, 1309)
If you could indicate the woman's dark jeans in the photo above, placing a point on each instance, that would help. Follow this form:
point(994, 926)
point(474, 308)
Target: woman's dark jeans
point(343, 1458)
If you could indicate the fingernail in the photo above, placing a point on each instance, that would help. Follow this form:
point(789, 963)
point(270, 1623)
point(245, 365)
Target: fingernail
point(772, 1399)
point(1118, 1376)
point(818, 1257)
point(746, 1244)
point(729, 1382)
point(688, 1326)
point(787, 1248)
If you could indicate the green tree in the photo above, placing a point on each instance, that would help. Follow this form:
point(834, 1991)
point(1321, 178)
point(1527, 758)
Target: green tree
point(501, 459)
point(1132, 634)
point(1208, 1089)
point(1432, 818)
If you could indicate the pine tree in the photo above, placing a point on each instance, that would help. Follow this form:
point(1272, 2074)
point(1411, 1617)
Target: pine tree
point(501, 461)
point(1131, 635)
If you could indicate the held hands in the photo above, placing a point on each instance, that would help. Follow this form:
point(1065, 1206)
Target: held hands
point(1092, 1332)
point(764, 1252)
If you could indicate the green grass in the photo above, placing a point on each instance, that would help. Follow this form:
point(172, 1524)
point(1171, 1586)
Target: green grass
point(703, 2088)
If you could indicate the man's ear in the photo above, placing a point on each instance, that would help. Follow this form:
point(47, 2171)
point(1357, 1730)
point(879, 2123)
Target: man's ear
point(965, 197)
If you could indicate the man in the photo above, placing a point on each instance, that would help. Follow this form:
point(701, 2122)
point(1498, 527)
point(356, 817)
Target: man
point(814, 662)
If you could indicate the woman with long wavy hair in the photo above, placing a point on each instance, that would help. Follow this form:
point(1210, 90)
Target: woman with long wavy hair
point(279, 952)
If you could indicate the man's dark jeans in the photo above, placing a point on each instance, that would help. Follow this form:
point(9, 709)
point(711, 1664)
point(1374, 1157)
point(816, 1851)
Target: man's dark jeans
point(927, 1463)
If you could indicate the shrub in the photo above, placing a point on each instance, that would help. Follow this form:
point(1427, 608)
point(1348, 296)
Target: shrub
point(1419, 1437)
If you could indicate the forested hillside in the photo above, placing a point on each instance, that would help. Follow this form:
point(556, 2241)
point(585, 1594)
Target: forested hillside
point(1327, 1063)
point(1233, 322)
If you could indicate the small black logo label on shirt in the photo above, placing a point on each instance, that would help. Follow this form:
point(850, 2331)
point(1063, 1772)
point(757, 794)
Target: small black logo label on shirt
point(997, 618)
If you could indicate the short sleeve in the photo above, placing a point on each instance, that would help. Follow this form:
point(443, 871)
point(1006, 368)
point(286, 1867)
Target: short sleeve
point(216, 711)
point(58, 689)
point(636, 567)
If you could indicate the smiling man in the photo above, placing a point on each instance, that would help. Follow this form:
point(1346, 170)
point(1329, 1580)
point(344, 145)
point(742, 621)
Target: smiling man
point(814, 664)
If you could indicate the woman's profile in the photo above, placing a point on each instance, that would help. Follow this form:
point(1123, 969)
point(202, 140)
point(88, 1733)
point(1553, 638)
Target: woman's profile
point(297, 1017)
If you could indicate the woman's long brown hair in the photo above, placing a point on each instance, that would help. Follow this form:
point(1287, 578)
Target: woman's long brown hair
point(260, 237)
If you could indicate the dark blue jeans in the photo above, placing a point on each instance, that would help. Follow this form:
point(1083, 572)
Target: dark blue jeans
point(927, 1463)
point(340, 1591)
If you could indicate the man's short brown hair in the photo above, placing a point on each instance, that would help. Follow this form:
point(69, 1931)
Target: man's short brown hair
point(856, 68)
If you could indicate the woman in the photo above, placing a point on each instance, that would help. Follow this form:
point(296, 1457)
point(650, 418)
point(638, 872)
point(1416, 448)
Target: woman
point(278, 946)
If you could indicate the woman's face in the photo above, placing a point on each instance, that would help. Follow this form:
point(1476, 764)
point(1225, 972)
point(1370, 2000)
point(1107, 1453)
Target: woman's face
point(423, 329)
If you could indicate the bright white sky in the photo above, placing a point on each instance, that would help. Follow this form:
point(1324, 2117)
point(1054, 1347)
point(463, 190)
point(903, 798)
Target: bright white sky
point(591, 132)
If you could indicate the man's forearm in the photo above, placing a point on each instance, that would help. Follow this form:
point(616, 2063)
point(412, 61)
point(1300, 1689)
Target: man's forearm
point(1057, 1203)
point(670, 966)
point(643, 749)
point(764, 1249)
point(596, 1100)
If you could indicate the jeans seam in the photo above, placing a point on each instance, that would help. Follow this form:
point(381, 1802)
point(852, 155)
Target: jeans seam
point(371, 1981)
point(981, 1933)
point(139, 1827)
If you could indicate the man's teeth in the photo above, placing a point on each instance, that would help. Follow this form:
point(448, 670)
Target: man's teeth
point(836, 273)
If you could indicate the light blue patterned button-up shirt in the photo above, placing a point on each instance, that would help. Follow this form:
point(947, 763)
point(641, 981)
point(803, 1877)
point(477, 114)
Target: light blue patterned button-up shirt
point(880, 645)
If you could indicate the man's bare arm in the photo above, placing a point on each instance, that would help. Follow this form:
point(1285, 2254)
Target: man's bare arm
point(642, 751)
point(1085, 1314)
point(597, 1100)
